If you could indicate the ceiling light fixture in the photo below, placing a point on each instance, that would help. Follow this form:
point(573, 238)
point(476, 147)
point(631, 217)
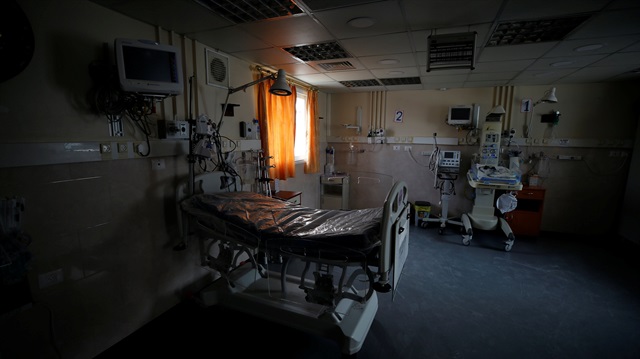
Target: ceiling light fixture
point(396, 72)
point(361, 22)
point(388, 62)
point(590, 47)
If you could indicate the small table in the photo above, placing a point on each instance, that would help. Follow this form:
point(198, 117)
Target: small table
point(294, 197)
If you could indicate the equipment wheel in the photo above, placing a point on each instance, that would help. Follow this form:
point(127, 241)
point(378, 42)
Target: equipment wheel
point(466, 241)
point(507, 247)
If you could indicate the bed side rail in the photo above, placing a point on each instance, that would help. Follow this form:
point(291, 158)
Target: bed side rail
point(394, 237)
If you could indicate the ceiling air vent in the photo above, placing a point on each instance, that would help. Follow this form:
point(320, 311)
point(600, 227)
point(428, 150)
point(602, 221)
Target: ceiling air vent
point(401, 81)
point(451, 51)
point(533, 31)
point(336, 66)
point(318, 52)
point(244, 11)
point(217, 69)
point(361, 83)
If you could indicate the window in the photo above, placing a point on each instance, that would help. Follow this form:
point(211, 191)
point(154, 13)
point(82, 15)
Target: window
point(301, 148)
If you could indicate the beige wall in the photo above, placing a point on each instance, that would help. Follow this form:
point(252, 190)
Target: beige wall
point(582, 196)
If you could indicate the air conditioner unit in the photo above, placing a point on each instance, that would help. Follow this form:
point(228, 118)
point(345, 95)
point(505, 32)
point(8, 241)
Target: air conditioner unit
point(217, 69)
point(451, 51)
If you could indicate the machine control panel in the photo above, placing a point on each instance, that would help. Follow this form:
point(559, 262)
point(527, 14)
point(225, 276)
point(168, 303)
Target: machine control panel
point(449, 161)
point(490, 143)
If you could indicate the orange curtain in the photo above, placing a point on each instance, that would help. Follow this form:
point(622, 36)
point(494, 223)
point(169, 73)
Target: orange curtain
point(311, 164)
point(277, 119)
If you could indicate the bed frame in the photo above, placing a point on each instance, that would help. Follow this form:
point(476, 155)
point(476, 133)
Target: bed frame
point(291, 286)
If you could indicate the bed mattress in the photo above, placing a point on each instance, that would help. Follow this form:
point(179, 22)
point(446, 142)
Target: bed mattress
point(276, 223)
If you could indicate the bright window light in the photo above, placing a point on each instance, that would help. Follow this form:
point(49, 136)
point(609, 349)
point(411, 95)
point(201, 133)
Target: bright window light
point(301, 148)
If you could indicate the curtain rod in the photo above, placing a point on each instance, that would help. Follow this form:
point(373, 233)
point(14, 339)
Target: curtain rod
point(289, 79)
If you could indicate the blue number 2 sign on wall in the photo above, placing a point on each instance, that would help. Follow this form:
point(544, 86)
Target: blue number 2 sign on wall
point(399, 114)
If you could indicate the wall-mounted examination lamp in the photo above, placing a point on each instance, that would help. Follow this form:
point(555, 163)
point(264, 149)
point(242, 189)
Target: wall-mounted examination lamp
point(279, 88)
point(549, 97)
point(495, 114)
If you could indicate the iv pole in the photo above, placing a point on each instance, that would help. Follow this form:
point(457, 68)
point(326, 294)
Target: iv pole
point(279, 88)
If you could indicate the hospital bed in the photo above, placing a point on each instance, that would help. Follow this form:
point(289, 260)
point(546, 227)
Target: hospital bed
point(316, 270)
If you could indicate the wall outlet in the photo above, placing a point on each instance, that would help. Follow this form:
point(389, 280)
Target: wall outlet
point(105, 148)
point(173, 130)
point(407, 148)
point(50, 278)
point(396, 148)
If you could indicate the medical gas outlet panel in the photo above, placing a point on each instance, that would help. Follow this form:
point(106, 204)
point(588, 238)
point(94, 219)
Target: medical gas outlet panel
point(490, 143)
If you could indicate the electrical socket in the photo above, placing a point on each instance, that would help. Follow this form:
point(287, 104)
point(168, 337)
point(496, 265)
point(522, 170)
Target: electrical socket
point(425, 153)
point(396, 148)
point(407, 148)
point(105, 148)
point(50, 278)
point(123, 147)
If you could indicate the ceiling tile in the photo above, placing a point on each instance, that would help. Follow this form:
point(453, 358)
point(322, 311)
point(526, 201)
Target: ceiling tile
point(278, 31)
point(379, 45)
point(386, 15)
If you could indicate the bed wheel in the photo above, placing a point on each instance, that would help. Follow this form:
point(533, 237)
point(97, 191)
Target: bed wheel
point(382, 288)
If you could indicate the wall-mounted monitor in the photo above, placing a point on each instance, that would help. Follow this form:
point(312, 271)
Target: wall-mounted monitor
point(148, 68)
point(460, 115)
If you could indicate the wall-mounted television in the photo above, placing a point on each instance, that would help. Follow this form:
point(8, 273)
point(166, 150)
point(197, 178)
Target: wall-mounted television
point(460, 115)
point(148, 68)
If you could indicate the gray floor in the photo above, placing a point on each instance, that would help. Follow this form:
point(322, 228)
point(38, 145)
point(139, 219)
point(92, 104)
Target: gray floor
point(549, 297)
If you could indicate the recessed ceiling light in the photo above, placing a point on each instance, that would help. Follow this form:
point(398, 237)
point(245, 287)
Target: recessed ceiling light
point(560, 63)
point(588, 47)
point(396, 72)
point(388, 62)
point(361, 22)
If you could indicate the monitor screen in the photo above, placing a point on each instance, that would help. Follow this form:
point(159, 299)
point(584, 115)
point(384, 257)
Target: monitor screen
point(147, 67)
point(463, 113)
point(460, 115)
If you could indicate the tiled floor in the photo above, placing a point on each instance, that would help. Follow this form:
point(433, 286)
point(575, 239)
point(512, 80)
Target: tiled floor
point(555, 296)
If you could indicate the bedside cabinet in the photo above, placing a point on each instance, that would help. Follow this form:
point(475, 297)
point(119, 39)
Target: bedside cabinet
point(526, 219)
point(294, 197)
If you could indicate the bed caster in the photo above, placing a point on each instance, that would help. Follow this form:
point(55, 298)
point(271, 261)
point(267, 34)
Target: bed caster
point(466, 241)
point(509, 243)
point(382, 288)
